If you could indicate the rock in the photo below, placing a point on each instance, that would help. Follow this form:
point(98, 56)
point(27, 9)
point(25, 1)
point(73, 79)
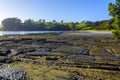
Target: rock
point(26, 39)
point(80, 58)
point(85, 52)
point(39, 53)
point(6, 60)
point(13, 52)
point(99, 51)
point(8, 73)
point(40, 39)
point(21, 51)
point(5, 52)
point(73, 50)
point(116, 51)
point(51, 58)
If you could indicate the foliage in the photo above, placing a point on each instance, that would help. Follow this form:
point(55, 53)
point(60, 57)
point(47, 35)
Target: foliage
point(105, 25)
point(1, 27)
point(15, 24)
point(114, 11)
point(11, 23)
point(87, 28)
point(71, 25)
point(80, 26)
point(116, 34)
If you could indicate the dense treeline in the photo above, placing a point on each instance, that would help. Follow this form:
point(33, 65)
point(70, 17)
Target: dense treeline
point(15, 24)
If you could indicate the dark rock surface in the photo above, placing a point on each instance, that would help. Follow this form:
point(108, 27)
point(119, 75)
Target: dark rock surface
point(8, 73)
point(102, 51)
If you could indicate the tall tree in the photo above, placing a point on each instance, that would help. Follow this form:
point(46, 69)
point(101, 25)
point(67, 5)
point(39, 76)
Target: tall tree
point(62, 21)
point(114, 11)
point(54, 21)
point(11, 24)
point(43, 20)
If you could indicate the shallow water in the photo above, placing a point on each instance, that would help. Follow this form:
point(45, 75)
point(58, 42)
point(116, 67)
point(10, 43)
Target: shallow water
point(2, 33)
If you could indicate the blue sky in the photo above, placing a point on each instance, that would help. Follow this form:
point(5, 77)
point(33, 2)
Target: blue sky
point(67, 10)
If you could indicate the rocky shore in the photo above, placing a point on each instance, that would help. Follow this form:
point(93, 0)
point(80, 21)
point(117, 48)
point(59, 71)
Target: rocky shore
point(78, 58)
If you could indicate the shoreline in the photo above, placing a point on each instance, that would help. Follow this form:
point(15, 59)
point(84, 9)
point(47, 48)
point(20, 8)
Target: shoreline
point(58, 55)
point(87, 33)
point(60, 33)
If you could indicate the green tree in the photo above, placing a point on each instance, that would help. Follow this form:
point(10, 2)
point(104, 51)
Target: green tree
point(54, 21)
point(70, 25)
point(80, 26)
point(11, 24)
point(43, 20)
point(50, 25)
point(114, 11)
point(62, 21)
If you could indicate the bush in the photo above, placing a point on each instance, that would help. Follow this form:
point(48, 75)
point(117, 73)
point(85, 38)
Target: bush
point(116, 34)
point(80, 26)
point(87, 28)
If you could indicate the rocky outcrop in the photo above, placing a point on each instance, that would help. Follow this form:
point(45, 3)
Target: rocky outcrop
point(39, 53)
point(9, 73)
point(73, 50)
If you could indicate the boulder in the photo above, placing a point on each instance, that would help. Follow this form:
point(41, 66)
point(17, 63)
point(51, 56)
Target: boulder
point(8, 73)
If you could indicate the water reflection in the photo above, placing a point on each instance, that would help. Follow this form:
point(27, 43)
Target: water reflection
point(2, 33)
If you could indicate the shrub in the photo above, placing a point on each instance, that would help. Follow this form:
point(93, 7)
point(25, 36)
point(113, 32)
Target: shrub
point(116, 34)
point(81, 26)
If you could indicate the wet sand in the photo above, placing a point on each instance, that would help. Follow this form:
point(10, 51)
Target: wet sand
point(87, 33)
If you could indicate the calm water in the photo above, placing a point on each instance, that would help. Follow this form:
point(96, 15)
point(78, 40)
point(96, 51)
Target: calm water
point(2, 33)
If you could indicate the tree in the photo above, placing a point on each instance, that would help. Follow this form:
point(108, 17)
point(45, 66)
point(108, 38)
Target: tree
point(40, 20)
point(43, 20)
point(114, 11)
point(70, 25)
point(54, 21)
point(29, 22)
point(50, 25)
point(80, 26)
point(62, 21)
point(11, 24)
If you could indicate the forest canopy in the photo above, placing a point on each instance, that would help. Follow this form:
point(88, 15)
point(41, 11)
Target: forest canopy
point(15, 24)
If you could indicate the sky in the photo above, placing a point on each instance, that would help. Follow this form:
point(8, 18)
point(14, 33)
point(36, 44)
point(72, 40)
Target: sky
point(66, 10)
